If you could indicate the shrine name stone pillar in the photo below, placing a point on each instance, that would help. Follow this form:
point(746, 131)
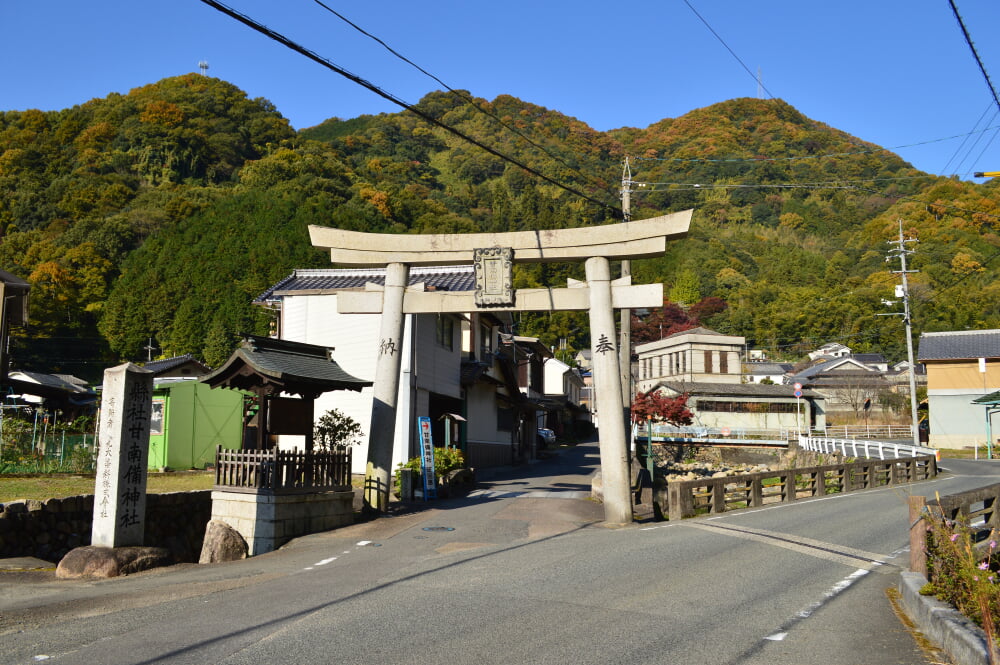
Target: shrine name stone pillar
point(120, 485)
point(608, 394)
point(378, 473)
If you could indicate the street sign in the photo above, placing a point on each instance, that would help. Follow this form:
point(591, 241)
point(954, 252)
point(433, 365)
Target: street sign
point(798, 393)
point(725, 431)
point(427, 458)
point(798, 386)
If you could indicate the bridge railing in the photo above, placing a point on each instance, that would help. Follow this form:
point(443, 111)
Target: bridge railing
point(687, 498)
point(977, 510)
point(867, 448)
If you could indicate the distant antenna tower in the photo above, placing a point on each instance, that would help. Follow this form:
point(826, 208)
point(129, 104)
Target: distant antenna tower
point(204, 67)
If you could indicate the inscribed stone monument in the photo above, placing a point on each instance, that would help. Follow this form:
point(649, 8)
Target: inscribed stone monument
point(120, 487)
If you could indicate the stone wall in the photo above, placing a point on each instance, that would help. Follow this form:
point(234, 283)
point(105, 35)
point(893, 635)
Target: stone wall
point(51, 528)
point(267, 521)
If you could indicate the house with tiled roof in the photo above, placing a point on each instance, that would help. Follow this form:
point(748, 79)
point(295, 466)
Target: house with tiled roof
point(749, 405)
point(850, 386)
point(766, 372)
point(186, 366)
point(452, 364)
point(961, 366)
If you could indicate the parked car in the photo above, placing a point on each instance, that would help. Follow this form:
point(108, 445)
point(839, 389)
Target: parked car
point(546, 437)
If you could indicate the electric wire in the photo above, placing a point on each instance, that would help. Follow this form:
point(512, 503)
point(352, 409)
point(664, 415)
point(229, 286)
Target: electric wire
point(966, 139)
point(975, 53)
point(315, 57)
point(731, 52)
point(458, 93)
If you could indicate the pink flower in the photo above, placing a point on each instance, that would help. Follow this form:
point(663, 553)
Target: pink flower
point(984, 566)
point(993, 544)
point(953, 537)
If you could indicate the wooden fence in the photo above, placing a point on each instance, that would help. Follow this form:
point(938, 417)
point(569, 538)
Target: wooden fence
point(282, 471)
point(975, 510)
point(688, 498)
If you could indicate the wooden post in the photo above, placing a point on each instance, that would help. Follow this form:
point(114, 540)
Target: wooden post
point(918, 535)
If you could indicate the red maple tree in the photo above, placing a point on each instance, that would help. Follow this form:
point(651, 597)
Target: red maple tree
point(654, 405)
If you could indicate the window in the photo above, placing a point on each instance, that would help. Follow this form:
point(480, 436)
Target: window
point(485, 343)
point(445, 331)
point(708, 362)
point(505, 419)
point(723, 362)
point(718, 406)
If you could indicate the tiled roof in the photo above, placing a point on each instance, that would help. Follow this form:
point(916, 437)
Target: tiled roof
point(768, 368)
point(959, 345)
point(734, 389)
point(440, 278)
point(829, 365)
point(160, 366)
point(294, 366)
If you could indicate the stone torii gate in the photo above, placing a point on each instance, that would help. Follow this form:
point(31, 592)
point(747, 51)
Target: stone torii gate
point(493, 254)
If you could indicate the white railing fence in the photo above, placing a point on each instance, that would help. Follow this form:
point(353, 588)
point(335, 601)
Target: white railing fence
point(867, 448)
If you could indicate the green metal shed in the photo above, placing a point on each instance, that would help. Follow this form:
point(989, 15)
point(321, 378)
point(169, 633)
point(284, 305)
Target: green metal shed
point(189, 420)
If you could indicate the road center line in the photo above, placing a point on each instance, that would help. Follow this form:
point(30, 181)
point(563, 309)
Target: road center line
point(847, 556)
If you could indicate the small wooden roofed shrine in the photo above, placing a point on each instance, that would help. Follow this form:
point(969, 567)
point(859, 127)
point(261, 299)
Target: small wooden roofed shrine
point(274, 368)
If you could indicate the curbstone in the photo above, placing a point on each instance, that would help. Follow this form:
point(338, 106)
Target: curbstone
point(960, 638)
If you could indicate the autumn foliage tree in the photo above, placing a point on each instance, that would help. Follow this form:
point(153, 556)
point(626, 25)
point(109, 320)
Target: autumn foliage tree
point(654, 405)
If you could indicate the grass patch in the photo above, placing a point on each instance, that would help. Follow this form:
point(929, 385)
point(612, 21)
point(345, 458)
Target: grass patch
point(61, 485)
point(58, 486)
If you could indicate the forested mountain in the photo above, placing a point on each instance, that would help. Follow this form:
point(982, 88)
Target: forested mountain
point(160, 214)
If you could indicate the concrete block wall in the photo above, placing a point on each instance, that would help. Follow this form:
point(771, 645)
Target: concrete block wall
point(267, 521)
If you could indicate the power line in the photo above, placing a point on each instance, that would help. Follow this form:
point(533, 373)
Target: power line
point(867, 151)
point(281, 39)
point(458, 93)
point(975, 54)
point(965, 140)
point(760, 84)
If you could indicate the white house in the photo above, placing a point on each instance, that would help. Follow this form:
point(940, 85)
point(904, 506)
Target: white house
point(749, 406)
point(766, 372)
point(452, 364)
point(565, 393)
point(830, 350)
point(692, 355)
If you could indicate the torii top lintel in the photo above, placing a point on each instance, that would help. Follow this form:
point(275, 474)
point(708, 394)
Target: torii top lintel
point(627, 240)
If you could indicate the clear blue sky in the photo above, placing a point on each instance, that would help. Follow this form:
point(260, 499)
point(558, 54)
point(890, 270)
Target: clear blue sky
point(897, 73)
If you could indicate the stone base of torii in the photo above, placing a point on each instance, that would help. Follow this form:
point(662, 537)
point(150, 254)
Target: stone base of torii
point(493, 254)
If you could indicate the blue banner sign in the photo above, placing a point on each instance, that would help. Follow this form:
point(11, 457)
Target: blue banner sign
point(427, 458)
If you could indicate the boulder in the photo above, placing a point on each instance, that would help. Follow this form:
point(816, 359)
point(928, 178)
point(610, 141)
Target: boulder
point(222, 543)
point(98, 561)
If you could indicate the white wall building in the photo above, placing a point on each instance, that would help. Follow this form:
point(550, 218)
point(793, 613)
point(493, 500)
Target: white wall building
point(450, 362)
point(692, 355)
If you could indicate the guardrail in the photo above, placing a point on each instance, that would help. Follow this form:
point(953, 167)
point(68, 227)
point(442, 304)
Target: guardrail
point(841, 431)
point(688, 498)
point(864, 448)
point(282, 471)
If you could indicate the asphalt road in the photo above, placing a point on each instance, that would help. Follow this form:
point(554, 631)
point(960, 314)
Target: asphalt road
point(514, 574)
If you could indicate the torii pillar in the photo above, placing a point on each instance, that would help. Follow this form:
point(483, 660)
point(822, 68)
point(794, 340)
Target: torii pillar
point(493, 255)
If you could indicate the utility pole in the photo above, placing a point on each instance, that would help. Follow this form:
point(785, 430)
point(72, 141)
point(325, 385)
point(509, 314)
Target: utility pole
point(901, 252)
point(625, 336)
